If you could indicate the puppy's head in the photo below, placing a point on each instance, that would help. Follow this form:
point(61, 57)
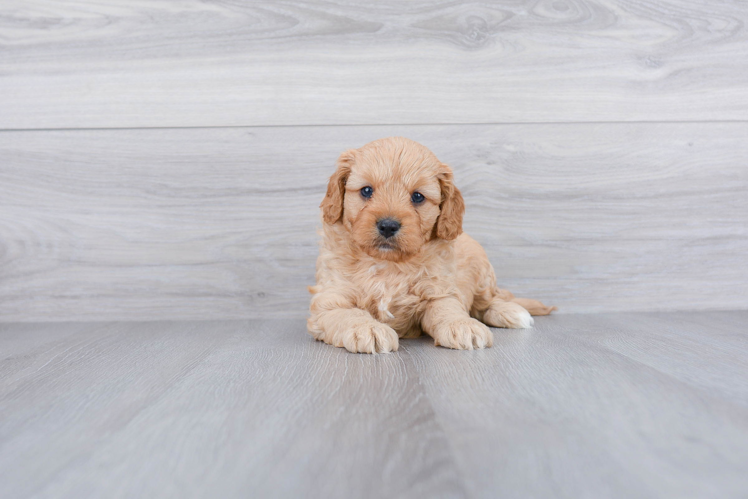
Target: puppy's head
point(393, 195)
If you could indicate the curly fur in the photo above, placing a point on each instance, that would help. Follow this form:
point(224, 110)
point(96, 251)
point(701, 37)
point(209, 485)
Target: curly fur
point(430, 277)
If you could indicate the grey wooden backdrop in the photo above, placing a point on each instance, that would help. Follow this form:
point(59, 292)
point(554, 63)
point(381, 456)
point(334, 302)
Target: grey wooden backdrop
point(166, 159)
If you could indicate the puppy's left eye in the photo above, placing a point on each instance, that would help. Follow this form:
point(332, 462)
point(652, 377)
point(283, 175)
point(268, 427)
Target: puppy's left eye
point(417, 197)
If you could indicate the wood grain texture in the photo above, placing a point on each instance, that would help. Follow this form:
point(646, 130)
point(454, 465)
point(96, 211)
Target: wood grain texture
point(546, 412)
point(220, 223)
point(580, 406)
point(223, 409)
point(195, 63)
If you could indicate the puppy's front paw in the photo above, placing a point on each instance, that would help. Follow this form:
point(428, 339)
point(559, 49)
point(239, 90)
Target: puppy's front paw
point(372, 337)
point(465, 333)
point(508, 315)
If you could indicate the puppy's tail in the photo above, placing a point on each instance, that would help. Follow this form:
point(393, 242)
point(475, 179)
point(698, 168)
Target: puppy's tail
point(534, 307)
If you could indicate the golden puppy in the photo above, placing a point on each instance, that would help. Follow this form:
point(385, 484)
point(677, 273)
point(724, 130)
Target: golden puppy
point(394, 261)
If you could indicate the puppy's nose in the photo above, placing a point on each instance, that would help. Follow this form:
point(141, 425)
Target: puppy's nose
point(388, 227)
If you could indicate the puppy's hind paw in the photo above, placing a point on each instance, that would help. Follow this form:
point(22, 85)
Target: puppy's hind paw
point(371, 337)
point(508, 315)
point(466, 333)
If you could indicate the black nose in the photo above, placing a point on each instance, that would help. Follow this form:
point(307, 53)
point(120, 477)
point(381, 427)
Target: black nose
point(388, 227)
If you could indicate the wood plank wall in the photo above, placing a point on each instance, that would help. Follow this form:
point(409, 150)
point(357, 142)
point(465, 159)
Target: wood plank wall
point(166, 160)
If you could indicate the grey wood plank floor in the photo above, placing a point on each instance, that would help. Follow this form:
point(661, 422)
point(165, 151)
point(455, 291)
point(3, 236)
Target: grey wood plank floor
point(104, 63)
point(627, 404)
point(220, 223)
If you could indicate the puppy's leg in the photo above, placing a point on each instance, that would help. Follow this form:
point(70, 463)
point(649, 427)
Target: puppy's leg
point(505, 314)
point(354, 329)
point(447, 321)
point(507, 311)
point(491, 304)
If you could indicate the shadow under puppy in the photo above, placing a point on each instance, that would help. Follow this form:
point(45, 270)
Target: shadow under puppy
point(394, 261)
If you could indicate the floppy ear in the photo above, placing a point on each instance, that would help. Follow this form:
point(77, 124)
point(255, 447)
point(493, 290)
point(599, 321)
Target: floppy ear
point(332, 204)
point(449, 223)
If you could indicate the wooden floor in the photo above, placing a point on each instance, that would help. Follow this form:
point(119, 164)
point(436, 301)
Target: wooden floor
point(626, 405)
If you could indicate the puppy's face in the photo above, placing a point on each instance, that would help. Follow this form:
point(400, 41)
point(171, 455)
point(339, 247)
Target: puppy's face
point(393, 196)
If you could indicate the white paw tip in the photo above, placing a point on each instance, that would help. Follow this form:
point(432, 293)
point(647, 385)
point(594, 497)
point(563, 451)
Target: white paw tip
point(525, 320)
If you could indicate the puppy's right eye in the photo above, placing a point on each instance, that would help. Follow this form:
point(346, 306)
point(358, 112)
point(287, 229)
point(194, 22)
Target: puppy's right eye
point(367, 191)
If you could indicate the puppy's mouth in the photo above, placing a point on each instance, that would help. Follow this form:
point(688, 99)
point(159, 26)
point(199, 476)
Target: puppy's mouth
point(386, 247)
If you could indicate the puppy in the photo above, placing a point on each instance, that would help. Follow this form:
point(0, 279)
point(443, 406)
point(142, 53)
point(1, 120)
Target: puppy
point(394, 261)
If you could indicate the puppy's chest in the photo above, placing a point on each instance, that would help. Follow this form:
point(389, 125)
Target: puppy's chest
point(389, 298)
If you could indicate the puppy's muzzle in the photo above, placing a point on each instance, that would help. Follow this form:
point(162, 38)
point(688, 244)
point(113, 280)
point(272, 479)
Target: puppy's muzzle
point(388, 227)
